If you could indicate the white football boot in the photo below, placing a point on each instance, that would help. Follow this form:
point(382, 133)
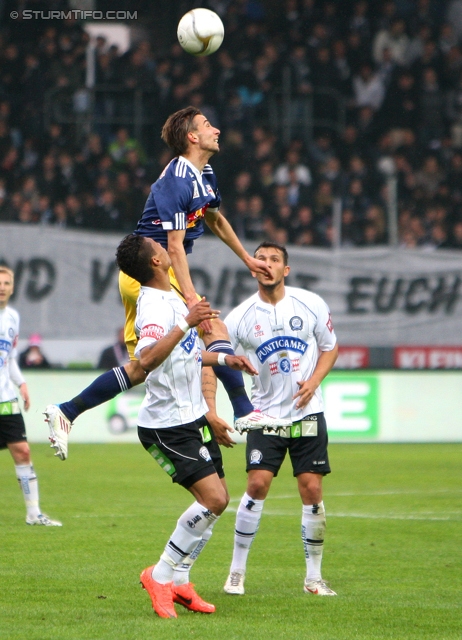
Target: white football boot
point(234, 584)
point(60, 428)
point(259, 420)
point(318, 588)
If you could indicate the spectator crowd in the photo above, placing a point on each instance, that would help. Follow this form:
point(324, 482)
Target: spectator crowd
point(395, 67)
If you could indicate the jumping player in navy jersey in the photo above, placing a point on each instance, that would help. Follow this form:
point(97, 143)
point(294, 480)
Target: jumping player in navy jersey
point(181, 200)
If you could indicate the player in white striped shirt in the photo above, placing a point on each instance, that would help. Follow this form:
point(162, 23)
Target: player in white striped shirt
point(287, 335)
point(171, 422)
point(12, 426)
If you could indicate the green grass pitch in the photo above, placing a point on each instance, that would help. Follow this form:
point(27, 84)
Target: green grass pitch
point(392, 551)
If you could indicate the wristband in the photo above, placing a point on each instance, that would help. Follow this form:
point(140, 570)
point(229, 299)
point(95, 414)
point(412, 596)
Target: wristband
point(221, 359)
point(183, 325)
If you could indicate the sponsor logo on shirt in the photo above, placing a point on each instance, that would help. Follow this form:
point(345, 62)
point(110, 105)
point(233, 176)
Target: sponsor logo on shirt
point(5, 345)
point(258, 331)
point(189, 342)
point(152, 331)
point(193, 217)
point(281, 343)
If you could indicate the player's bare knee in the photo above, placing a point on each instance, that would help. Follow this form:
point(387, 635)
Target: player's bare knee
point(217, 502)
point(257, 488)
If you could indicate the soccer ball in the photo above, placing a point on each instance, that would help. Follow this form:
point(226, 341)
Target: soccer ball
point(200, 32)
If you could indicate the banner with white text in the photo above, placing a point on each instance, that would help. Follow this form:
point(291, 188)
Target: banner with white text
point(66, 286)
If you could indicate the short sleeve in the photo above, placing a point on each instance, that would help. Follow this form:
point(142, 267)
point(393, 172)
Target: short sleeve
point(324, 329)
point(153, 322)
point(173, 200)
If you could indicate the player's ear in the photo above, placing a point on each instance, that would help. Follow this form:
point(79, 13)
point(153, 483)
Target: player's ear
point(286, 271)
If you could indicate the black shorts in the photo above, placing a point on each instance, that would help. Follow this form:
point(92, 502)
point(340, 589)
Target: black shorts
point(12, 429)
point(308, 454)
point(187, 453)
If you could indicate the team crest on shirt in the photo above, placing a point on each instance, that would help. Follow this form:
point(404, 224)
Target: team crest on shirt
point(204, 453)
point(209, 190)
point(256, 456)
point(11, 332)
point(296, 323)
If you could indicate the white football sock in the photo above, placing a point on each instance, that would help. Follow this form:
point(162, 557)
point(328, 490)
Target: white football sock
point(313, 531)
point(247, 522)
point(189, 531)
point(27, 480)
point(181, 573)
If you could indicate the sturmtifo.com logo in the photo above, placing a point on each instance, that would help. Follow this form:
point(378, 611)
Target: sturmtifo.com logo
point(77, 14)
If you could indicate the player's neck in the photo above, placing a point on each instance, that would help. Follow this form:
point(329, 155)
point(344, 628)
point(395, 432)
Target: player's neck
point(272, 295)
point(198, 158)
point(160, 281)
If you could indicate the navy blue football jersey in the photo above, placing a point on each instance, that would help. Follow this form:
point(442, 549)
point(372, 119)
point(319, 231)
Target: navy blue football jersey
point(179, 199)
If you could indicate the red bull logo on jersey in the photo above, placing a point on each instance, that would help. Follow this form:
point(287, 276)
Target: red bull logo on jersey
point(193, 217)
point(281, 343)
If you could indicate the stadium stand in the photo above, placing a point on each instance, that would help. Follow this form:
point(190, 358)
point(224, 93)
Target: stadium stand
point(314, 99)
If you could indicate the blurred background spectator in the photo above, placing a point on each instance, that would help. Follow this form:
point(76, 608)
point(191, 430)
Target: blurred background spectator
point(115, 355)
point(33, 357)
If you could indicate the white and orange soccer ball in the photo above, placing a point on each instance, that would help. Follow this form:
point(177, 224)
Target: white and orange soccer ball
point(200, 32)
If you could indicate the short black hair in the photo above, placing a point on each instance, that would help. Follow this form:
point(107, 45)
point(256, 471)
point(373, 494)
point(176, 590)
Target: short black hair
point(133, 257)
point(275, 245)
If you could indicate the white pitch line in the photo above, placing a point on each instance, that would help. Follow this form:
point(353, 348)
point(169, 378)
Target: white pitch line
point(369, 516)
point(347, 494)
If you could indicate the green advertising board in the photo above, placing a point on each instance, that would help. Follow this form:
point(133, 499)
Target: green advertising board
point(352, 405)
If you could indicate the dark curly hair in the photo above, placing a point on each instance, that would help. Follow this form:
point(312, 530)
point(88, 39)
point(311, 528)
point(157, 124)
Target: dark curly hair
point(133, 257)
point(177, 127)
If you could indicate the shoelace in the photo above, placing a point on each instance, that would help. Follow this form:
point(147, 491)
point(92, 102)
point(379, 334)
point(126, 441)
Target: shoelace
point(235, 578)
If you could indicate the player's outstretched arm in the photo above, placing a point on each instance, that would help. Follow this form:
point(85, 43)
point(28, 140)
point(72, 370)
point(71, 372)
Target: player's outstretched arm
point(180, 266)
point(240, 363)
point(223, 230)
